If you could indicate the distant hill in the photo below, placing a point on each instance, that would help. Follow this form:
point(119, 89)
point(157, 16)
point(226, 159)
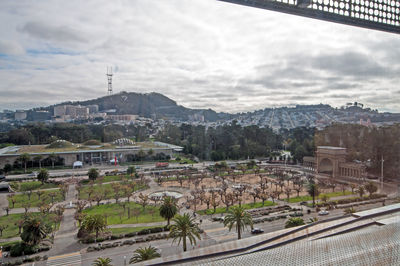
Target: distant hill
point(151, 105)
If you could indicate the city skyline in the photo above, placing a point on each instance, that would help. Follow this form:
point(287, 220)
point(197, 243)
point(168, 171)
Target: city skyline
point(206, 54)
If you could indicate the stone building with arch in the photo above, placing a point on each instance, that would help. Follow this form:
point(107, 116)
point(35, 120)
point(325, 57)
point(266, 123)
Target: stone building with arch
point(332, 161)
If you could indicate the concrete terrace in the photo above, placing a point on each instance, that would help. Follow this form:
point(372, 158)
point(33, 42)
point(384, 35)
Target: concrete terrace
point(327, 242)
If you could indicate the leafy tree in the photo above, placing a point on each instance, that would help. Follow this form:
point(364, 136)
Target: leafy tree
point(313, 191)
point(169, 208)
point(2, 228)
point(371, 188)
point(93, 174)
point(34, 230)
point(102, 262)
point(143, 254)
point(295, 221)
point(184, 227)
point(361, 191)
point(94, 223)
point(240, 218)
point(43, 175)
point(7, 168)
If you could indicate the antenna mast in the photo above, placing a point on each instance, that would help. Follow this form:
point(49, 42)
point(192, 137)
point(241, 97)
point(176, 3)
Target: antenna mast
point(109, 78)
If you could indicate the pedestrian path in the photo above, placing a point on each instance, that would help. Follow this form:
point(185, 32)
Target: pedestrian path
point(71, 259)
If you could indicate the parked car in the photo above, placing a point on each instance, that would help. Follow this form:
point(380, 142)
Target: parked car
point(2, 177)
point(33, 174)
point(323, 212)
point(303, 203)
point(255, 231)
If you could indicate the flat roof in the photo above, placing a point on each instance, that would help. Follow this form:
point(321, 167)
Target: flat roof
point(80, 148)
point(373, 245)
point(387, 208)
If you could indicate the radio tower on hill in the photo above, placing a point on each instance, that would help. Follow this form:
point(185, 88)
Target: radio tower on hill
point(109, 78)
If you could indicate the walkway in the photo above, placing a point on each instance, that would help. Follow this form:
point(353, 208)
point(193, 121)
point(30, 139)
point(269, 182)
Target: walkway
point(65, 240)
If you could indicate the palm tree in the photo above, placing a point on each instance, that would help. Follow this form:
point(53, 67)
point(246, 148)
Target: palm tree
point(38, 158)
point(240, 218)
point(52, 157)
point(313, 191)
point(169, 208)
point(34, 230)
point(184, 227)
point(94, 223)
point(142, 254)
point(24, 158)
point(102, 262)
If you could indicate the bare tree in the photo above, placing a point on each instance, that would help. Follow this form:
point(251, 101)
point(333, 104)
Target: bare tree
point(288, 190)
point(143, 200)
point(7, 209)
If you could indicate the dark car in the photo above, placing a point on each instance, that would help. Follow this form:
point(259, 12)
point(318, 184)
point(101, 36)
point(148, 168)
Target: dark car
point(257, 231)
point(2, 177)
point(303, 203)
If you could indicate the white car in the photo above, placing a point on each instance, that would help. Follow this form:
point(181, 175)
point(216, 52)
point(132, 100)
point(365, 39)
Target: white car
point(33, 174)
point(323, 212)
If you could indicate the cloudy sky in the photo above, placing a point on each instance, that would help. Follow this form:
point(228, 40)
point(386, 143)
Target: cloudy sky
point(200, 53)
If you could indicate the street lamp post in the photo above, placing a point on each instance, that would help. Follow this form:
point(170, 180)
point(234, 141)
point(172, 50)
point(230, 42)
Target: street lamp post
point(382, 173)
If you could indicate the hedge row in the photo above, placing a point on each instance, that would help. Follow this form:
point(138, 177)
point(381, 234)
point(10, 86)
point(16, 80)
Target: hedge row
point(127, 242)
point(270, 219)
point(25, 260)
point(153, 230)
point(350, 200)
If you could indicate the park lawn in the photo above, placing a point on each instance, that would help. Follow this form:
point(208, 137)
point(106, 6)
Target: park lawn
point(33, 185)
point(10, 220)
point(108, 178)
point(113, 211)
point(22, 199)
point(246, 206)
point(83, 195)
point(329, 194)
point(126, 230)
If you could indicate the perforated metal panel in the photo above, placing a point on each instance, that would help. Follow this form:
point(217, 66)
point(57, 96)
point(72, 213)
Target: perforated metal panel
point(381, 15)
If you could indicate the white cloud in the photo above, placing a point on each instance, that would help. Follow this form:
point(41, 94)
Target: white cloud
point(201, 53)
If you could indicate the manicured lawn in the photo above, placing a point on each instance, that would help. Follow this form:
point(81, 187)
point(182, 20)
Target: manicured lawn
point(84, 195)
point(307, 197)
point(246, 206)
point(125, 230)
point(33, 185)
point(108, 178)
point(34, 201)
point(10, 220)
point(113, 212)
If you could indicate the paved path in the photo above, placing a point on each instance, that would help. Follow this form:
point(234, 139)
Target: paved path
point(65, 240)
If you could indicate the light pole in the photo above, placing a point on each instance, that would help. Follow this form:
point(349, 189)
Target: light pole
point(382, 173)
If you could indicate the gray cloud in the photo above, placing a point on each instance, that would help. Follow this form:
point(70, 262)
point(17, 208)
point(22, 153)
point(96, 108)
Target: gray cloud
point(11, 48)
point(50, 32)
point(200, 53)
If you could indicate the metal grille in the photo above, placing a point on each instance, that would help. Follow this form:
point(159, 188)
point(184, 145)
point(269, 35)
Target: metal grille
point(381, 15)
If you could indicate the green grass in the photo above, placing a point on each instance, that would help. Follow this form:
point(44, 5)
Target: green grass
point(125, 230)
point(113, 213)
point(10, 220)
point(83, 194)
point(329, 194)
point(34, 185)
point(106, 179)
point(9, 243)
point(246, 206)
point(183, 160)
point(21, 199)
